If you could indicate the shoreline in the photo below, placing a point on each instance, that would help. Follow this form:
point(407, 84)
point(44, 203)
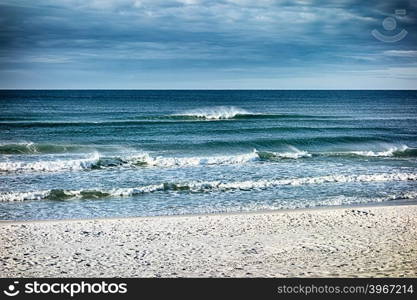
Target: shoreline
point(266, 211)
point(366, 241)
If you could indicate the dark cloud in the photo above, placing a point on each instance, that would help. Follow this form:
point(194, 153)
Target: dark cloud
point(197, 44)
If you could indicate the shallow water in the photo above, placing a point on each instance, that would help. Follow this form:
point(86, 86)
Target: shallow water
point(76, 154)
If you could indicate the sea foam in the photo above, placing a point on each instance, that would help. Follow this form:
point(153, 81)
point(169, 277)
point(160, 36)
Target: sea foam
point(215, 113)
point(202, 187)
point(145, 159)
point(159, 161)
point(293, 154)
point(391, 151)
point(50, 165)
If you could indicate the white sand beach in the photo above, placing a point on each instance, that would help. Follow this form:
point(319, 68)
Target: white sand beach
point(377, 241)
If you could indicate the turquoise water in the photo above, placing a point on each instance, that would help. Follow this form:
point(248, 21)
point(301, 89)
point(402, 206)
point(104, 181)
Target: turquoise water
point(77, 154)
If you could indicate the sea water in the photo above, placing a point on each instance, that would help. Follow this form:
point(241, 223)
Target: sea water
point(82, 154)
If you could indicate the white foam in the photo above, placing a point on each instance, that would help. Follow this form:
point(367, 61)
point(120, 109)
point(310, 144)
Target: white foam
point(22, 196)
point(215, 113)
point(293, 154)
point(144, 159)
point(255, 155)
point(210, 186)
point(385, 153)
point(50, 165)
point(160, 161)
point(260, 184)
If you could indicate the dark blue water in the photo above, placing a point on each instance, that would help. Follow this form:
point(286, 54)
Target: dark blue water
point(74, 154)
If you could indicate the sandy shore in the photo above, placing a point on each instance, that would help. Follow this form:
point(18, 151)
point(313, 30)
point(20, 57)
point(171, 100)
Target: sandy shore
point(369, 241)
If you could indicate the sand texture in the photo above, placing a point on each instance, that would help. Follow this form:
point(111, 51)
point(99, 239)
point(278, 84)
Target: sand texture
point(372, 241)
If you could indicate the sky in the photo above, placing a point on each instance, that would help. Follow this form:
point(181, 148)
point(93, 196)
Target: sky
point(207, 44)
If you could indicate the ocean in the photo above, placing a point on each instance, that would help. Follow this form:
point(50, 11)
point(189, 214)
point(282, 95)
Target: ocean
point(68, 154)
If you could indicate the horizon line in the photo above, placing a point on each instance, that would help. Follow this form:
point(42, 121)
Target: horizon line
point(195, 89)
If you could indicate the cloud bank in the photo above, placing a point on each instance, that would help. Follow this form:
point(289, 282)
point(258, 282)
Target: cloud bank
point(204, 44)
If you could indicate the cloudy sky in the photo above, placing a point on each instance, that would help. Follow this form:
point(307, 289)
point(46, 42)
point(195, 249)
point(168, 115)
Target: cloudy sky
point(206, 44)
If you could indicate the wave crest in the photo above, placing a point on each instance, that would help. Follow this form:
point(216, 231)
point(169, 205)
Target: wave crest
point(293, 154)
point(394, 151)
point(204, 187)
point(159, 161)
point(215, 113)
point(50, 166)
point(144, 159)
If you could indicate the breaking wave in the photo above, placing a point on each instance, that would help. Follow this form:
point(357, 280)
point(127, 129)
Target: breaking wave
point(232, 112)
point(159, 161)
point(401, 151)
point(294, 154)
point(144, 159)
point(51, 165)
point(203, 187)
point(95, 161)
point(215, 113)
